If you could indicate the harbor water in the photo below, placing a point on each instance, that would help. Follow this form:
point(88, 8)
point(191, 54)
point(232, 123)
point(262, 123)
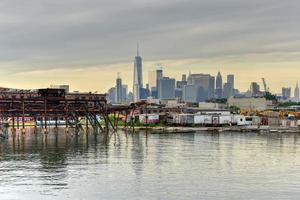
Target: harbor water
point(198, 165)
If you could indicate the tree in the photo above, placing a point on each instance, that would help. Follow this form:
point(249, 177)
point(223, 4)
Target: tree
point(270, 96)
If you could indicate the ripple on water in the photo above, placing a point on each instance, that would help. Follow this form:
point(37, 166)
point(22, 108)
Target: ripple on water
point(160, 166)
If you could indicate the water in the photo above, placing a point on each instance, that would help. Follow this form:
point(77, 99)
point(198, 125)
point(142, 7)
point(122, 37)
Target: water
point(159, 166)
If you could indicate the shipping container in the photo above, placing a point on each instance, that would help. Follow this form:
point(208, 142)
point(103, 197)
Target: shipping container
point(199, 119)
point(252, 120)
point(239, 120)
point(183, 119)
point(225, 120)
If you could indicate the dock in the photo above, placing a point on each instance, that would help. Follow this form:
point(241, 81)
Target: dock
point(56, 104)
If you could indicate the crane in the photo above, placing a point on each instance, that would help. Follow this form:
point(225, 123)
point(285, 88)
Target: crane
point(266, 88)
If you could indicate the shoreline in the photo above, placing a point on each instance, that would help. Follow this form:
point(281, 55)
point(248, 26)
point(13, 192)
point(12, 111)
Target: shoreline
point(183, 129)
point(253, 128)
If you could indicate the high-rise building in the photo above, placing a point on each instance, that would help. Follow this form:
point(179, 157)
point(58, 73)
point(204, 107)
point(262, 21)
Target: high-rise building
point(159, 76)
point(144, 92)
point(154, 92)
point(286, 93)
point(137, 76)
point(296, 92)
point(111, 95)
point(230, 79)
point(189, 93)
point(178, 93)
point(124, 93)
point(166, 88)
point(180, 84)
point(219, 86)
point(119, 90)
point(254, 89)
point(211, 91)
point(227, 91)
point(203, 83)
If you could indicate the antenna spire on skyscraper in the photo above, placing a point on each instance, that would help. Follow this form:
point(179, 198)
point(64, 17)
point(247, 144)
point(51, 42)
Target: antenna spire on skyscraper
point(137, 49)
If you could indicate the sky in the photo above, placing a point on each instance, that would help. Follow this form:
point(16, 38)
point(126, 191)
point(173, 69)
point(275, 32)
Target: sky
point(85, 43)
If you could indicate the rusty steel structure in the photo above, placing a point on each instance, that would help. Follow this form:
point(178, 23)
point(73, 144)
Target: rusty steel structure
point(45, 104)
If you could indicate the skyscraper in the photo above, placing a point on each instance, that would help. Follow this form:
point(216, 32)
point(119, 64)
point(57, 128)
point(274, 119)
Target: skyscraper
point(219, 86)
point(166, 88)
point(203, 83)
point(296, 93)
point(111, 95)
point(137, 76)
point(212, 86)
point(124, 93)
point(228, 90)
point(119, 90)
point(254, 89)
point(230, 79)
point(229, 86)
point(189, 93)
point(159, 76)
point(286, 93)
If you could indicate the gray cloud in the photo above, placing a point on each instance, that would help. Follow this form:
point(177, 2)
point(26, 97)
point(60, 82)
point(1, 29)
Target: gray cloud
point(38, 34)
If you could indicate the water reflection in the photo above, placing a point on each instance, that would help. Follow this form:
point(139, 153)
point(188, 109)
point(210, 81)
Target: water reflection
point(149, 166)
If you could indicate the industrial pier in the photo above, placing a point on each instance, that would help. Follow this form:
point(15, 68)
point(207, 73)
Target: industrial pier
point(55, 104)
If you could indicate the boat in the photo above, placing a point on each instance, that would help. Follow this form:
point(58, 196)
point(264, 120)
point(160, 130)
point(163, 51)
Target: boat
point(28, 121)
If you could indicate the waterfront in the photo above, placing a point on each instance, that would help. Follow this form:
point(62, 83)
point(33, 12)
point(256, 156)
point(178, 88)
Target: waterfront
point(161, 166)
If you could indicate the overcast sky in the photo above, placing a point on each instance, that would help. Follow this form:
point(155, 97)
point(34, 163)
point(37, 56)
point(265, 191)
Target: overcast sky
point(86, 42)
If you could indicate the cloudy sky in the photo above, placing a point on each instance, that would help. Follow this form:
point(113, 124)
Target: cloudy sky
point(85, 43)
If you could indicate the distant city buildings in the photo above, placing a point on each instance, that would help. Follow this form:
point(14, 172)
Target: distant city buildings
point(254, 89)
point(119, 89)
point(118, 94)
point(228, 90)
point(192, 88)
point(137, 76)
point(166, 88)
point(124, 93)
point(204, 86)
point(230, 80)
point(189, 93)
point(286, 93)
point(111, 95)
point(159, 76)
point(296, 93)
point(219, 86)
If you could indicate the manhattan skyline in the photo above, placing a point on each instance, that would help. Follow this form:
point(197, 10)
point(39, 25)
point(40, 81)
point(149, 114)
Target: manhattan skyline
point(85, 44)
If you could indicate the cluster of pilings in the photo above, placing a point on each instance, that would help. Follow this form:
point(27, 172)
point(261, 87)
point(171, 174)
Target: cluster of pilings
point(81, 111)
